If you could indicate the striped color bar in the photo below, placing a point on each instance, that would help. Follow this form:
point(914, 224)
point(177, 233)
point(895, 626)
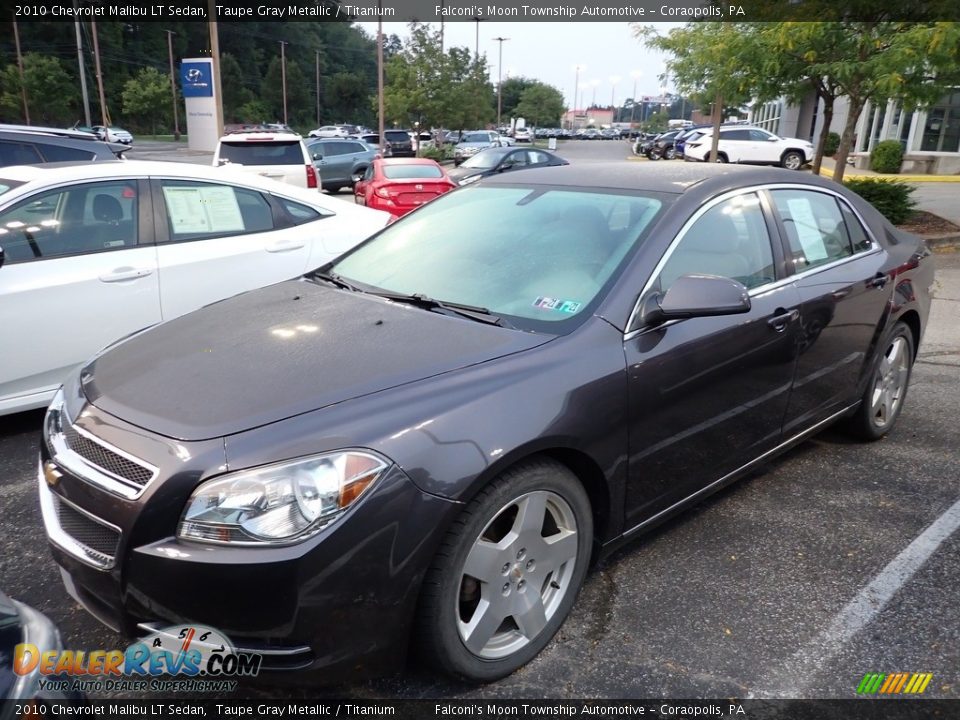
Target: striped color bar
point(894, 683)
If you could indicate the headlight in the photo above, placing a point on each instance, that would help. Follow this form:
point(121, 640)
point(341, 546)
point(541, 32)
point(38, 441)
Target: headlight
point(53, 421)
point(468, 180)
point(281, 503)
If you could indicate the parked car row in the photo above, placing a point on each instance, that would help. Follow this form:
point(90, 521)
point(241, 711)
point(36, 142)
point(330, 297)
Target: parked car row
point(738, 143)
point(28, 144)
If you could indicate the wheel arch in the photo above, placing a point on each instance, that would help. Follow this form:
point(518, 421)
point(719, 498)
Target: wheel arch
point(911, 318)
point(797, 150)
point(586, 469)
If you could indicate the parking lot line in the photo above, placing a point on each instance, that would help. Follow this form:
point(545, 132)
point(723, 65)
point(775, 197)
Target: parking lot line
point(860, 611)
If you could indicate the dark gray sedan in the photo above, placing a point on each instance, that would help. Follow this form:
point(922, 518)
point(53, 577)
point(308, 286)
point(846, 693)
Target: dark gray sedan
point(425, 443)
point(498, 160)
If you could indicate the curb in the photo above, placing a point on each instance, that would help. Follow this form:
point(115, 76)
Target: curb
point(943, 243)
point(902, 178)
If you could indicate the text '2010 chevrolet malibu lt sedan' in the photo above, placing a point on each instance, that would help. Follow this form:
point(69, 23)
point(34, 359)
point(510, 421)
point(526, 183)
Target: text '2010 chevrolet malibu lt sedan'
point(424, 443)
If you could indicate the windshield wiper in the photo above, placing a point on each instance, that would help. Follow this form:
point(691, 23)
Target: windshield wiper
point(471, 312)
point(337, 280)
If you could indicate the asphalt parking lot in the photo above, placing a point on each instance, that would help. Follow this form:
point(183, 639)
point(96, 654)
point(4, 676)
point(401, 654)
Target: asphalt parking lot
point(838, 559)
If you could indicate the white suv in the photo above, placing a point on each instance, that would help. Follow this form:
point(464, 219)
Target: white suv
point(750, 146)
point(281, 156)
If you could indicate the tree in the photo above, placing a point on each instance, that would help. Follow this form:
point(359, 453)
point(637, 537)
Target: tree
point(658, 122)
point(434, 88)
point(50, 91)
point(147, 97)
point(710, 59)
point(235, 93)
point(511, 91)
point(540, 104)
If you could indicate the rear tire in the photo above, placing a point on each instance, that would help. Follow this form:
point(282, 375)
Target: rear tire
point(886, 391)
point(669, 154)
point(507, 573)
point(721, 157)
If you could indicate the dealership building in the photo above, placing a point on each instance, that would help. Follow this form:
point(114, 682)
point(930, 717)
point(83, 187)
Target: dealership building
point(930, 137)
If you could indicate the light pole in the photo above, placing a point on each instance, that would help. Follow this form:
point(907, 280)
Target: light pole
point(283, 76)
point(614, 79)
point(500, 40)
point(476, 41)
point(382, 141)
point(576, 90)
point(593, 100)
point(173, 86)
point(636, 75)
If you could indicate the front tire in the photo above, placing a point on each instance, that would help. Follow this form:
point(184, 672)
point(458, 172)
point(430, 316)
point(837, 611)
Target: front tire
point(507, 573)
point(792, 160)
point(883, 399)
point(670, 154)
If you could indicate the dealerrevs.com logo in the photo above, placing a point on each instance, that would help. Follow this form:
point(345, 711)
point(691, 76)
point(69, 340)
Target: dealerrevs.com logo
point(180, 658)
point(900, 683)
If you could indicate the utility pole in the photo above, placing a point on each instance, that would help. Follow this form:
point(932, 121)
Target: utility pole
point(576, 91)
point(83, 71)
point(318, 86)
point(380, 124)
point(215, 56)
point(173, 86)
point(283, 77)
point(442, 2)
point(104, 119)
point(500, 40)
point(476, 51)
point(23, 87)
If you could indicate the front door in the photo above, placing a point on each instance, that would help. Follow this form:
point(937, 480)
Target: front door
point(708, 394)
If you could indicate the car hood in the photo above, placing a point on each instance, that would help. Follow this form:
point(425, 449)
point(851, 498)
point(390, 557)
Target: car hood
point(277, 352)
point(484, 144)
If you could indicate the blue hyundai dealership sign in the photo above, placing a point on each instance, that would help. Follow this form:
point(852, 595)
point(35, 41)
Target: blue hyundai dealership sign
point(196, 79)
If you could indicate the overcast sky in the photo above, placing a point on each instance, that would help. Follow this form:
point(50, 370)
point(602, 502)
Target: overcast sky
point(549, 51)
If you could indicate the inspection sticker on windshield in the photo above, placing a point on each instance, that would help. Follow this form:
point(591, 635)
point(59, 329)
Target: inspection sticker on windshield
point(565, 306)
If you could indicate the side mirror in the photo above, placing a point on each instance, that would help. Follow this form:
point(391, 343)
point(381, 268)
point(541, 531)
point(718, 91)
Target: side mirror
point(696, 296)
point(317, 156)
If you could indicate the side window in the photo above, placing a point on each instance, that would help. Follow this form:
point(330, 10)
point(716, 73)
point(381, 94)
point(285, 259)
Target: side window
point(368, 174)
point(759, 135)
point(14, 153)
point(196, 211)
point(58, 153)
point(730, 239)
point(356, 148)
point(538, 158)
point(300, 213)
point(735, 135)
point(517, 159)
point(77, 219)
point(814, 226)
point(858, 236)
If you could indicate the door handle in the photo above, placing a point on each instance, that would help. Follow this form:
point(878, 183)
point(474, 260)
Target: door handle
point(783, 317)
point(125, 273)
point(284, 246)
point(877, 281)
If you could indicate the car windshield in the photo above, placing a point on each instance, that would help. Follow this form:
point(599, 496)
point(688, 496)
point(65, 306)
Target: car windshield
point(475, 138)
point(483, 160)
point(541, 257)
point(400, 172)
point(262, 153)
point(396, 136)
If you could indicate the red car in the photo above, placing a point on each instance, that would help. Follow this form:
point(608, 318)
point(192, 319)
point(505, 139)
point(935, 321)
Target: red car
point(399, 185)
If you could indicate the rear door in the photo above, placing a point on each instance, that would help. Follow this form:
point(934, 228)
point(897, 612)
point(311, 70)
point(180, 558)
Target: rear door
point(844, 293)
point(216, 240)
point(80, 273)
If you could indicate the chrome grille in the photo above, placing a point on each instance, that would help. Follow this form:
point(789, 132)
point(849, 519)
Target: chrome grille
point(97, 541)
point(106, 459)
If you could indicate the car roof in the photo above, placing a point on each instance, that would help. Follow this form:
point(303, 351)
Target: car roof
point(668, 177)
point(63, 172)
point(260, 136)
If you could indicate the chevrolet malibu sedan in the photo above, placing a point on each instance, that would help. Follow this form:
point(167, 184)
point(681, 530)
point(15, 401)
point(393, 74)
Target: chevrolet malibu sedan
point(92, 252)
point(423, 444)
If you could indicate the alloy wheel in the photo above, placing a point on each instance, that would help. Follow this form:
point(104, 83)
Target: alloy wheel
point(890, 383)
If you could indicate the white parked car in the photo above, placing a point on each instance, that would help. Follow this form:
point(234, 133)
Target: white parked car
point(281, 156)
point(333, 131)
point(751, 146)
point(113, 134)
point(92, 252)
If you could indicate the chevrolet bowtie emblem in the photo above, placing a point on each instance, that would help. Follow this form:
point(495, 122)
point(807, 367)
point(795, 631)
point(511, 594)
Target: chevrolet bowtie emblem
point(51, 474)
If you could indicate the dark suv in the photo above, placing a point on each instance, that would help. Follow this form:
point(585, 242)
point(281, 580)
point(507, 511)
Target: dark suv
point(28, 145)
point(399, 143)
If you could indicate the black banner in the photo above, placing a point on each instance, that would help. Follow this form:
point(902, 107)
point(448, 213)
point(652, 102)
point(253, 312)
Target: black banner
point(642, 11)
point(857, 709)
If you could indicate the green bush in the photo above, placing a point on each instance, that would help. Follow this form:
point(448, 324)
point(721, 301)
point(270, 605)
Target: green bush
point(832, 144)
point(890, 197)
point(886, 157)
point(437, 153)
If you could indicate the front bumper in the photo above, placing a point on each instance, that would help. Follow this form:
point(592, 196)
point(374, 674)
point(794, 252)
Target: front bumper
point(343, 600)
